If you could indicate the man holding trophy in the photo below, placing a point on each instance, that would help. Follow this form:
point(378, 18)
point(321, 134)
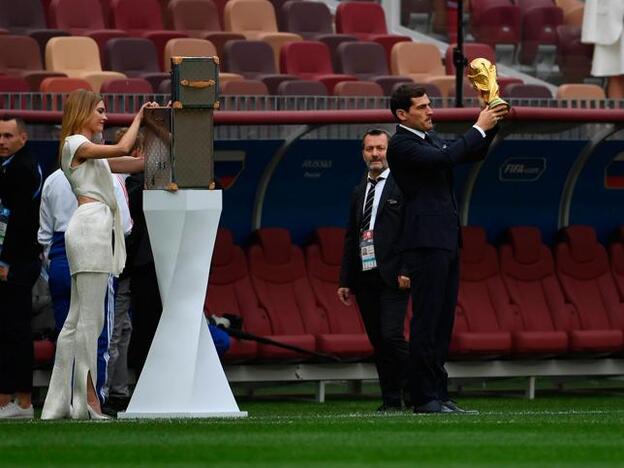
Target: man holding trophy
point(423, 168)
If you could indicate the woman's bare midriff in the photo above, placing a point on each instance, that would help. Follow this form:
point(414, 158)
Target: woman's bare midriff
point(82, 200)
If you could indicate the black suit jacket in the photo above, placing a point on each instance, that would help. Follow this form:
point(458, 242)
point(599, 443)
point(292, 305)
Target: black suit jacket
point(424, 172)
point(20, 184)
point(388, 223)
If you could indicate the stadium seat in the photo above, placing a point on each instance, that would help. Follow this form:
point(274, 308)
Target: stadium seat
point(431, 90)
point(333, 41)
point(16, 87)
point(367, 22)
point(165, 86)
point(583, 269)
point(84, 18)
point(120, 96)
point(521, 90)
point(416, 60)
point(78, 57)
point(136, 57)
point(279, 14)
point(308, 19)
point(63, 85)
point(310, 60)
point(616, 257)
point(245, 88)
point(483, 304)
point(255, 19)
point(581, 91)
point(200, 19)
point(528, 271)
point(27, 17)
point(230, 292)
point(358, 88)
point(540, 19)
point(495, 22)
point(302, 88)
point(347, 335)
point(279, 277)
point(20, 56)
point(254, 61)
point(367, 61)
point(143, 18)
point(573, 57)
point(188, 47)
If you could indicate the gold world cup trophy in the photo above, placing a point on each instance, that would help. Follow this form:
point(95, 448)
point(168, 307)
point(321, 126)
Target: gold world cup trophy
point(482, 75)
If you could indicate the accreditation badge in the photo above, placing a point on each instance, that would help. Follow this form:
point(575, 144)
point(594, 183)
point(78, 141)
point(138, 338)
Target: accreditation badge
point(4, 222)
point(367, 251)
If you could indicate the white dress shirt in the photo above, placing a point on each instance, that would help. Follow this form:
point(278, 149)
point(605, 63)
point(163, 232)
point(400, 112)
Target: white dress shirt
point(378, 189)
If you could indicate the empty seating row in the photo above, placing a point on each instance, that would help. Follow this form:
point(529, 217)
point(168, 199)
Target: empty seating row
point(518, 300)
point(285, 295)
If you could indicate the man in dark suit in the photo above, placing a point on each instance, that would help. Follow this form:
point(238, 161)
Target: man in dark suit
point(20, 189)
point(371, 267)
point(422, 166)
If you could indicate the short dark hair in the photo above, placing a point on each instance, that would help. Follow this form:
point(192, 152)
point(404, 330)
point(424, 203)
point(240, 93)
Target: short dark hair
point(21, 125)
point(374, 132)
point(402, 97)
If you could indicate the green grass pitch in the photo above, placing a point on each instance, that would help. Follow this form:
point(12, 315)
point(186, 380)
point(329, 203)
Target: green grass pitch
point(553, 430)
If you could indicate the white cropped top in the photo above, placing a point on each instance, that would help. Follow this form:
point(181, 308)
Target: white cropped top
point(93, 179)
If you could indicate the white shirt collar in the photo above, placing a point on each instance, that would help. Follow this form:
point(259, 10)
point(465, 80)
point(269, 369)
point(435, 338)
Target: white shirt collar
point(421, 134)
point(384, 175)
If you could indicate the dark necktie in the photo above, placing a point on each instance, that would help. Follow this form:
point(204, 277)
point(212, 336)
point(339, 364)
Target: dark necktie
point(368, 204)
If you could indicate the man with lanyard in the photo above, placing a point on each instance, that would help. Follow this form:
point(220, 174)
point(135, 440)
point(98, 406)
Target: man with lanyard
point(20, 265)
point(371, 267)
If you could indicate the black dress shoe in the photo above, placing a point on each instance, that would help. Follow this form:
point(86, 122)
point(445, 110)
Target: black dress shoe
point(450, 404)
point(390, 408)
point(433, 406)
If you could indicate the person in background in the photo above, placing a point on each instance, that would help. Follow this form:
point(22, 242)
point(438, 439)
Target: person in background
point(371, 268)
point(20, 188)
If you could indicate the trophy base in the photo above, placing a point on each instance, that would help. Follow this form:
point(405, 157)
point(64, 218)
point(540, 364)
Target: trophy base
point(498, 102)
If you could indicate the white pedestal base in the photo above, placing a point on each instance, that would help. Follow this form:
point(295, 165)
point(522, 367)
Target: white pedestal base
point(182, 376)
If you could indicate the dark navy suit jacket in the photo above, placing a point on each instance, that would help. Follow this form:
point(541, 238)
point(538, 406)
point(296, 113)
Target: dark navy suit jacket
point(388, 224)
point(424, 172)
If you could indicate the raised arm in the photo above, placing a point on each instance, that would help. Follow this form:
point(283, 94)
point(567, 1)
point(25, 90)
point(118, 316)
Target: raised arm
point(122, 148)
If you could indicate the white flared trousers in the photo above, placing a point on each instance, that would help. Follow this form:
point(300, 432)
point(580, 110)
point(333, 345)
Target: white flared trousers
point(76, 348)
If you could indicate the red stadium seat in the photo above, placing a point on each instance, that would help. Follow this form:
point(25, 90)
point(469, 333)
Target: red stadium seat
point(280, 280)
point(472, 50)
point(143, 18)
point(540, 19)
point(573, 57)
point(528, 271)
point(347, 336)
point(20, 56)
point(230, 292)
point(495, 22)
point(483, 304)
point(583, 269)
point(17, 87)
point(310, 60)
point(366, 21)
point(616, 255)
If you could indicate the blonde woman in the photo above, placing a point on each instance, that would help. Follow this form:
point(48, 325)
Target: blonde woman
point(95, 248)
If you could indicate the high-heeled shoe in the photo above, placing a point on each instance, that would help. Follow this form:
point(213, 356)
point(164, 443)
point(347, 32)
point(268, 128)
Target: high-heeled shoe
point(97, 416)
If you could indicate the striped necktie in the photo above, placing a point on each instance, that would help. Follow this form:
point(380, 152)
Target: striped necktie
point(368, 204)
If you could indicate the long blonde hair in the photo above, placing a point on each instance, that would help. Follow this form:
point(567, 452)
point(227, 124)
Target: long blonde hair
point(78, 108)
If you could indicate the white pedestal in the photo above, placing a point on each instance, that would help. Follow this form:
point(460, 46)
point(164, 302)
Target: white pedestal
point(182, 376)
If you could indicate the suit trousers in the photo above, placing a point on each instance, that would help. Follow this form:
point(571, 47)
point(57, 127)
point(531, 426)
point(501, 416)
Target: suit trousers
point(16, 346)
point(434, 276)
point(383, 311)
